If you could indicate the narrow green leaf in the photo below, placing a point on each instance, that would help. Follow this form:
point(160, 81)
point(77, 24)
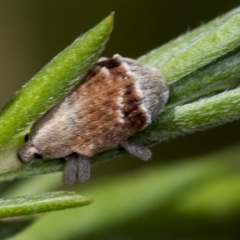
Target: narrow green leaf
point(220, 75)
point(196, 49)
point(53, 81)
point(39, 203)
point(47, 87)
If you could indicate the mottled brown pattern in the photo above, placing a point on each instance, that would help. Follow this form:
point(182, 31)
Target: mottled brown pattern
point(99, 127)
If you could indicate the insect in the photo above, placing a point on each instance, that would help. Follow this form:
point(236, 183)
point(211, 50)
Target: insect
point(117, 98)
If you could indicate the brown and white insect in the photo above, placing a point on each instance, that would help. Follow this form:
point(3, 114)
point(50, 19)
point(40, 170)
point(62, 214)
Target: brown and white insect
point(117, 98)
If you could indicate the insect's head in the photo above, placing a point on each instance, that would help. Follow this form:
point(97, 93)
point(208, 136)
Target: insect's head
point(27, 152)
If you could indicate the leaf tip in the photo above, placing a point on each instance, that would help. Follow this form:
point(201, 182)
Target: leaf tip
point(110, 18)
point(112, 14)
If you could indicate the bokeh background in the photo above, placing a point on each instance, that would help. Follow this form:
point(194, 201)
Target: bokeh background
point(32, 32)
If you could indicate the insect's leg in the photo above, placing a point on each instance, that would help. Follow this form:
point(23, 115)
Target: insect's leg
point(137, 150)
point(70, 170)
point(84, 168)
point(76, 167)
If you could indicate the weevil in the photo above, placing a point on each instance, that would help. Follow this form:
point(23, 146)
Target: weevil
point(117, 98)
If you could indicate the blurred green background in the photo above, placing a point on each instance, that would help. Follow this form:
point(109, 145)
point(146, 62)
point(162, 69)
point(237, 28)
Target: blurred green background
point(33, 32)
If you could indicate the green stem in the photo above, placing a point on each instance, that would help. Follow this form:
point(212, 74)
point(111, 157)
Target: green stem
point(189, 118)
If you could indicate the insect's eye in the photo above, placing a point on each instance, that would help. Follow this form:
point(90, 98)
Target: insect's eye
point(26, 138)
point(38, 156)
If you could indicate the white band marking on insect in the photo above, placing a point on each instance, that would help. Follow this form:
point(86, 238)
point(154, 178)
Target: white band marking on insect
point(137, 88)
point(120, 107)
